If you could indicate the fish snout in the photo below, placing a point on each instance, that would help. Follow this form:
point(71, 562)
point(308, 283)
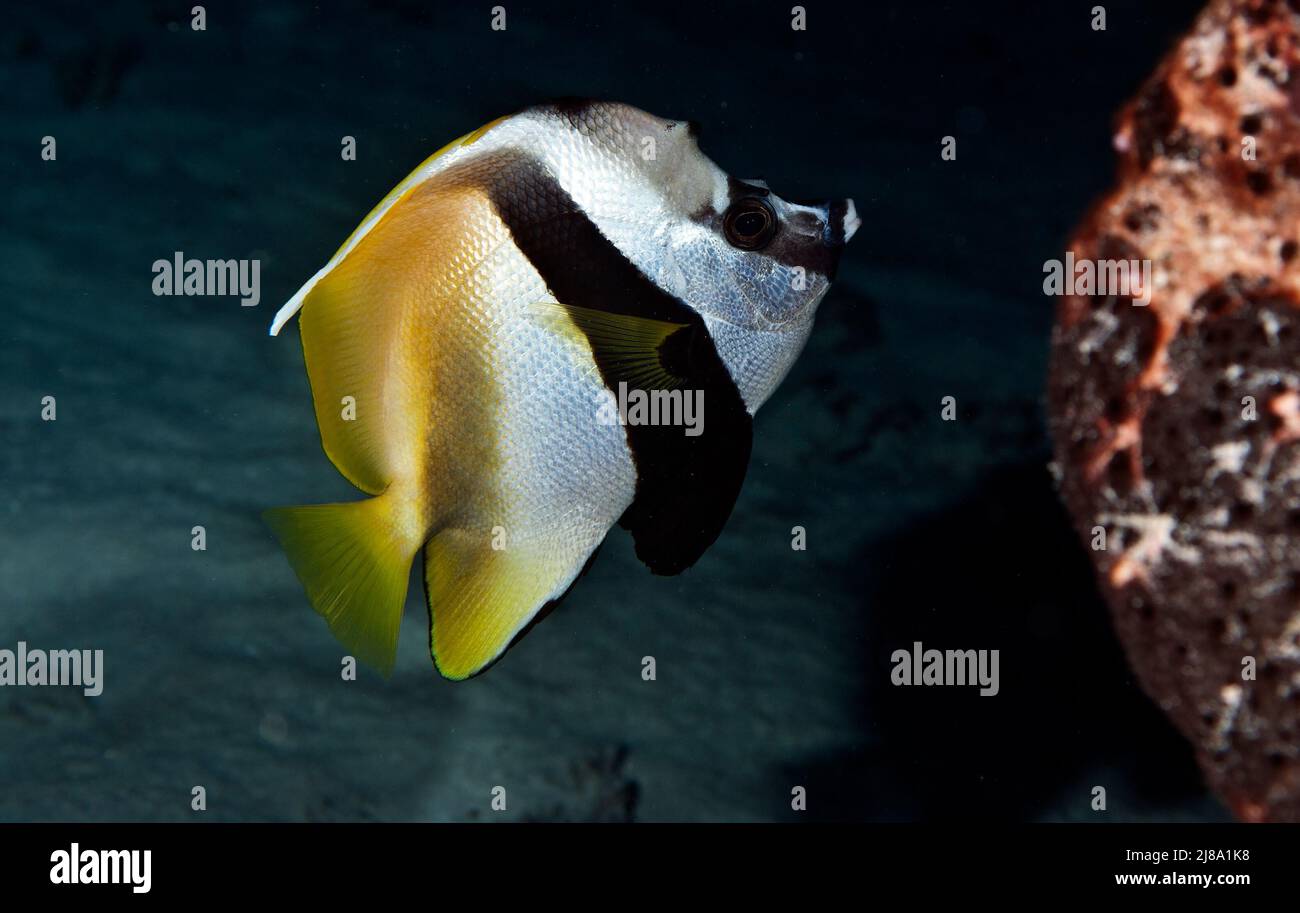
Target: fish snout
point(841, 222)
point(850, 222)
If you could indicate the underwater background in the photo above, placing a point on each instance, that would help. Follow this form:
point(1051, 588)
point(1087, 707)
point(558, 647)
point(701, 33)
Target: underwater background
point(773, 665)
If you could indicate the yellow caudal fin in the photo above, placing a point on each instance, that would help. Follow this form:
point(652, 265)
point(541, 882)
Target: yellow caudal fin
point(480, 598)
point(354, 560)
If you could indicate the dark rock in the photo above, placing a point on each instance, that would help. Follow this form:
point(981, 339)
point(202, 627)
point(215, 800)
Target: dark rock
point(1177, 425)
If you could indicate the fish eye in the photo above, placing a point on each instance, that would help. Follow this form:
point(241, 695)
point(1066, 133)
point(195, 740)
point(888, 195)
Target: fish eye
point(749, 224)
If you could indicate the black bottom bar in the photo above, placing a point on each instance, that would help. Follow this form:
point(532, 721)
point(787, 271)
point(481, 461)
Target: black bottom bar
point(335, 861)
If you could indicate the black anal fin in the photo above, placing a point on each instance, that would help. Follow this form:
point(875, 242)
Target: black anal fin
point(687, 484)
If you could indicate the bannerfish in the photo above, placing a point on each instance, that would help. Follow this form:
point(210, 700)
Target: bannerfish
point(481, 350)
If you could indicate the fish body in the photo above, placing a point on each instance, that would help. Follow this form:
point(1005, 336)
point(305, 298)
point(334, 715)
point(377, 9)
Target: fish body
point(468, 344)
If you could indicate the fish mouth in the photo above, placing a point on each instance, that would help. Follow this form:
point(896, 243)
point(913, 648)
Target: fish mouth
point(851, 222)
point(841, 222)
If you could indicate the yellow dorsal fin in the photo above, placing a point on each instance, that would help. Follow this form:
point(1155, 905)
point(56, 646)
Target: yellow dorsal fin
point(369, 367)
point(429, 167)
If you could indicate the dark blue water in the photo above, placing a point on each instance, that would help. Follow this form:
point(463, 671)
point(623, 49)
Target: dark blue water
point(773, 665)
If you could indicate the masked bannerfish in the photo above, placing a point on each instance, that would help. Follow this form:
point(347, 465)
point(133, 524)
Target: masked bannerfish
point(468, 344)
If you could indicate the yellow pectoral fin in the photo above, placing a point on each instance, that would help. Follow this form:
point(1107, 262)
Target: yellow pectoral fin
point(628, 347)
